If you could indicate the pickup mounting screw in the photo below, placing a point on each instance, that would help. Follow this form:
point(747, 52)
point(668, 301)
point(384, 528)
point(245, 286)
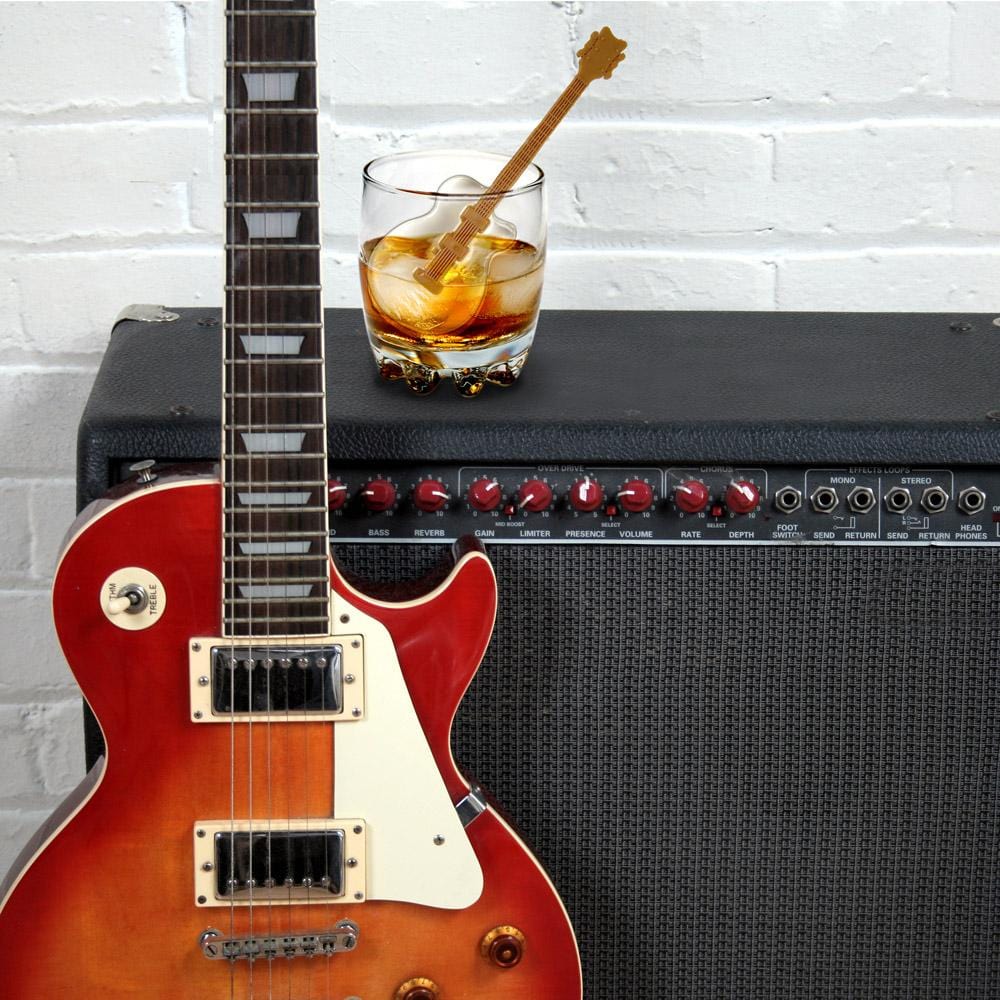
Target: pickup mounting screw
point(359, 895)
point(195, 647)
point(356, 644)
point(438, 840)
point(356, 712)
point(344, 619)
point(352, 862)
point(201, 833)
point(202, 900)
point(208, 866)
point(349, 678)
point(357, 829)
point(203, 681)
point(197, 715)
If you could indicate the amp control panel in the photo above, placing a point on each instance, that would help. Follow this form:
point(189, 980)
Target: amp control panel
point(666, 504)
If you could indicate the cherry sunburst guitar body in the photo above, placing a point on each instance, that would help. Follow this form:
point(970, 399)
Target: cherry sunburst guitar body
point(104, 904)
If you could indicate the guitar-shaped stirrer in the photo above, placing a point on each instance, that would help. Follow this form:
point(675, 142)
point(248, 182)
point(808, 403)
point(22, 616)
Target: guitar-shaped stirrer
point(598, 58)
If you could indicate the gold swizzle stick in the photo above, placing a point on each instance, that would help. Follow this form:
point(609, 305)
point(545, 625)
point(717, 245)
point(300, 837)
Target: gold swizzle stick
point(598, 58)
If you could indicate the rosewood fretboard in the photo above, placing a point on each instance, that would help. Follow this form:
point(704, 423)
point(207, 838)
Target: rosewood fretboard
point(274, 412)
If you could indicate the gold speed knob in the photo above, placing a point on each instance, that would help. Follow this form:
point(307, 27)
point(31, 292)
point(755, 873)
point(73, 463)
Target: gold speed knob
point(503, 946)
point(418, 989)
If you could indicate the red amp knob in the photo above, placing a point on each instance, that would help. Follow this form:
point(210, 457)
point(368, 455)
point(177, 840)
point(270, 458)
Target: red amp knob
point(485, 494)
point(534, 496)
point(430, 495)
point(586, 494)
point(379, 495)
point(636, 496)
point(336, 494)
point(691, 496)
point(742, 497)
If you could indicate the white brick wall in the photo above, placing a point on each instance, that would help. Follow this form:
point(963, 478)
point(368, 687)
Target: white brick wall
point(745, 156)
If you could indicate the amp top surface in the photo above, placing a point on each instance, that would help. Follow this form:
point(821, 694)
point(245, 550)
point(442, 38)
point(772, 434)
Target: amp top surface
point(599, 387)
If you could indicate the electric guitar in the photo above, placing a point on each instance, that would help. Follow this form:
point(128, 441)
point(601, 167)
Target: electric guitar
point(278, 813)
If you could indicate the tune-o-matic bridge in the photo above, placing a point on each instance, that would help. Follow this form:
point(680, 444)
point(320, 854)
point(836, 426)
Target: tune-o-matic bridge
point(284, 680)
point(343, 937)
point(279, 861)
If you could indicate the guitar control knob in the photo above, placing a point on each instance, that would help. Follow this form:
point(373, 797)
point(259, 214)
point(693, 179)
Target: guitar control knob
point(379, 495)
point(636, 496)
point(430, 495)
point(534, 496)
point(418, 989)
point(485, 494)
point(691, 496)
point(742, 497)
point(503, 946)
point(336, 494)
point(586, 494)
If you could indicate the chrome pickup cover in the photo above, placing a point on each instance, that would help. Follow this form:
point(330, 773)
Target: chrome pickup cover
point(343, 937)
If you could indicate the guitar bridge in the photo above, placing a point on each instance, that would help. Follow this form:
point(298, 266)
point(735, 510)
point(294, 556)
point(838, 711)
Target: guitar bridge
point(343, 937)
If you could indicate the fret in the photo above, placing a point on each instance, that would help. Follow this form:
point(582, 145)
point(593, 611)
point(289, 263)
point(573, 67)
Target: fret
point(274, 325)
point(257, 455)
point(275, 534)
point(272, 246)
point(272, 111)
point(273, 361)
point(283, 598)
point(272, 204)
point(245, 484)
point(270, 13)
point(273, 288)
point(272, 156)
point(277, 579)
point(268, 63)
point(284, 557)
point(272, 427)
point(258, 619)
point(250, 510)
point(273, 395)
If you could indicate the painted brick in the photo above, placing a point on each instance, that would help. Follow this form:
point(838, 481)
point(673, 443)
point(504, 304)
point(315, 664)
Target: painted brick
point(891, 281)
point(800, 53)
point(52, 507)
point(975, 51)
point(39, 412)
point(15, 531)
point(71, 55)
point(884, 176)
point(19, 751)
point(633, 183)
point(94, 286)
point(16, 829)
point(56, 729)
point(32, 665)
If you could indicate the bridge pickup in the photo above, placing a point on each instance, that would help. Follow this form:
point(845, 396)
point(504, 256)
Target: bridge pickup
point(279, 861)
point(343, 937)
point(286, 680)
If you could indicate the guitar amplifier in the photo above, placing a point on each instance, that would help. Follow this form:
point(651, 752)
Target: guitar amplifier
point(743, 698)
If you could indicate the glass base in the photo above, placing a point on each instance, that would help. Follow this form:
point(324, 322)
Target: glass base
point(423, 369)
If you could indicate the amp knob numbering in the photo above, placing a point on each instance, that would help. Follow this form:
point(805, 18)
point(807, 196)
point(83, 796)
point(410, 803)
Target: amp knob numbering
point(742, 497)
point(636, 496)
point(485, 494)
point(430, 495)
point(534, 496)
point(586, 494)
point(379, 495)
point(691, 496)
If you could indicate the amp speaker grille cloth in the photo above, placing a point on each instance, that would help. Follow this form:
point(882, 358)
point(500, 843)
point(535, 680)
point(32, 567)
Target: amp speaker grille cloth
point(750, 771)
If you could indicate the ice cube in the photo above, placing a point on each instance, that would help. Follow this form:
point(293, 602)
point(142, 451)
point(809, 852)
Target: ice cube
point(515, 281)
point(445, 213)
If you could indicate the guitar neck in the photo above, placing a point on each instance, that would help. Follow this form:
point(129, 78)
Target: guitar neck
point(274, 406)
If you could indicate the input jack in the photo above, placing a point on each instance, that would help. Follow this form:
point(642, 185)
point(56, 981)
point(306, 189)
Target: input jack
point(898, 500)
point(971, 500)
point(824, 499)
point(861, 499)
point(934, 499)
point(788, 499)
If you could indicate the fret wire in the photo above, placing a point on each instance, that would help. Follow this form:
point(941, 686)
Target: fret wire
point(272, 111)
point(270, 13)
point(274, 395)
point(262, 63)
point(240, 484)
point(280, 600)
point(273, 427)
point(273, 246)
point(272, 204)
point(230, 620)
point(273, 288)
point(276, 579)
point(275, 534)
point(265, 510)
point(291, 557)
point(272, 156)
point(274, 325)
